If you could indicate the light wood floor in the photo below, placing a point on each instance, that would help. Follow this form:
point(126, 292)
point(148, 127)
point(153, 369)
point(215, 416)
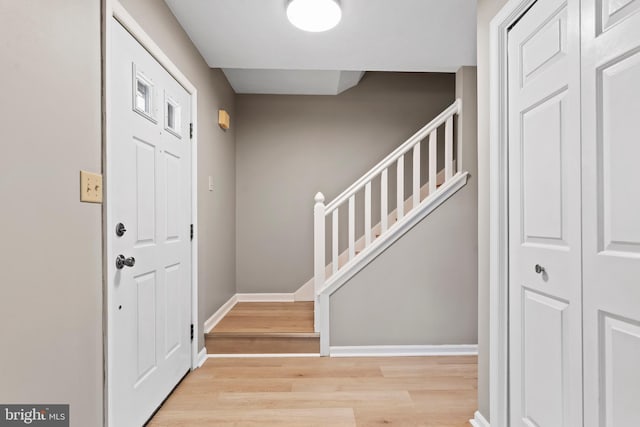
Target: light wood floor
point(408, 391)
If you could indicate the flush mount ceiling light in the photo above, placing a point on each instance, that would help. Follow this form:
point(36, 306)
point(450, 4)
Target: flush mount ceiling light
point(314, 15)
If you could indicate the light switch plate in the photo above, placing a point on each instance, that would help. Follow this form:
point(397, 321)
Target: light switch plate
point(90, 187)
point(210, 183)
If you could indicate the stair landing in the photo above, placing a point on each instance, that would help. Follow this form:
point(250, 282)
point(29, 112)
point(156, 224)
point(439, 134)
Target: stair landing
point(265, 327)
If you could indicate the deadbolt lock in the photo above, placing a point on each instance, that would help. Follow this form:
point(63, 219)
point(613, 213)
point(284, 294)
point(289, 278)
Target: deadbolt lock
point(120, 229)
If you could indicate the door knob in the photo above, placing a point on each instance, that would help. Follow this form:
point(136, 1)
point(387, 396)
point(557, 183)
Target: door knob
point(540, 269)
point(121, 262)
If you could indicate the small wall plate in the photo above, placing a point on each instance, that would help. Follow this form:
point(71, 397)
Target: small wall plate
point(90, 187)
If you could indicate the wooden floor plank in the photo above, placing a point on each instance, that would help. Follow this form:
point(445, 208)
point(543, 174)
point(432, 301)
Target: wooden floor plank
point(402, 391)
point(298, 372)
point(318, 417)
point(388, 384)
point(408, 416)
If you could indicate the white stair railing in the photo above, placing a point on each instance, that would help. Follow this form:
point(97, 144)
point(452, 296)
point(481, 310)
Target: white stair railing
point(348, 197)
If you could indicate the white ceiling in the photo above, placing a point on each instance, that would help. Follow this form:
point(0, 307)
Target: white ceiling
point(374, 35)
point(292, 82)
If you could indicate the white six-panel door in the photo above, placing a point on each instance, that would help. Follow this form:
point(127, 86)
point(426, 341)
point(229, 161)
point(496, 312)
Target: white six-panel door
point(150, 194)
point(611, 211)
point(545, 347)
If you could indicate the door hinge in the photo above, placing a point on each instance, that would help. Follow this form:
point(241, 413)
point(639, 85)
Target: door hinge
point(190, 130)
point(192, 332)
point(191, 231)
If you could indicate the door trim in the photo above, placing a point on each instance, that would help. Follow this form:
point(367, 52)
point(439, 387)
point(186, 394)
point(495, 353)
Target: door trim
point(511, 12)
point(112, 9)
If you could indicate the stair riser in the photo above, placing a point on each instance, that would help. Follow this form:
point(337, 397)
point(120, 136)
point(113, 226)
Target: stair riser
point(261, 345)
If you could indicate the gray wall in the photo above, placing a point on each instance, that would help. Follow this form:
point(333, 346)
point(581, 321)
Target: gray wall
point(50, 249)
point(429, 296)
point(216, 155)
point(290, 147)
point(487, 9)
point(51, 289)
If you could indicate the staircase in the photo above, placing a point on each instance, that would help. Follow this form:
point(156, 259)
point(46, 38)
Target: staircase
point(428, 191)
point(265, 328)
point(303, 327)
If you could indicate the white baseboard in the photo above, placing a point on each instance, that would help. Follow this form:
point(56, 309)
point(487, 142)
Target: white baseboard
point(261, 355)
point(479, 421)
point(202, 357)
point(212, 321)
point(265, 297)
point(403, 350)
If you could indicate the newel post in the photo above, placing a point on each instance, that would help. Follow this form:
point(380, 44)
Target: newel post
point(318, 253)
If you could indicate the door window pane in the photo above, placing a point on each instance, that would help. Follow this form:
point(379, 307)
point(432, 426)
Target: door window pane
point(172, 115)
point(143, 97)
point(171, 119)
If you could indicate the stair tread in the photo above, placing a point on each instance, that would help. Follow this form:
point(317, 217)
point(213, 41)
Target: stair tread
point(260, 334)
point(267, 318)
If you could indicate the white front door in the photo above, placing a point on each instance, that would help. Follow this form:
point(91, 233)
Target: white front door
point(544, 217)
point(611, 211)
point(149, 194)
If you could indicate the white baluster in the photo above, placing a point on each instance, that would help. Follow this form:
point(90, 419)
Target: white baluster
point(457, 166)
point(433, 161)
point(367, 214)
point(352, 227)
point(448, 149)
point(416, 175)
point(318, 252)
point(384, 209)
point(400, 189)
point(334, 252)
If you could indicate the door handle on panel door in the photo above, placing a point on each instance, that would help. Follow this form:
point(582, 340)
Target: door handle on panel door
point(122, 262)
